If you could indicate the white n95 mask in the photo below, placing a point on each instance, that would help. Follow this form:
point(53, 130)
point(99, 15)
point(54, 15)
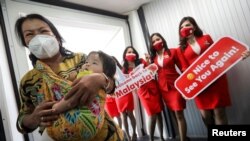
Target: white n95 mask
point(43, 46)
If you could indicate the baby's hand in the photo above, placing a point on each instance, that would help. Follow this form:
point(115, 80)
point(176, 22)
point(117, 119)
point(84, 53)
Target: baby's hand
point(55, 107)
point(62, 106)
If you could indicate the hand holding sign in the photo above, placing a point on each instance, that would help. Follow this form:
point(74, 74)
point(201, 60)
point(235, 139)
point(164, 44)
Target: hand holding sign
point(213, 63)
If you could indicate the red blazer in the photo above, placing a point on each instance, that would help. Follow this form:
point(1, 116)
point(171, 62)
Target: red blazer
point(217, 94)
point(168, 74)
point(205, 42)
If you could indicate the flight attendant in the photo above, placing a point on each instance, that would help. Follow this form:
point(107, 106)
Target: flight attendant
point(112, 110)
point(214, 99)
point(110, 102)
point(148, 93)
point(166, 59)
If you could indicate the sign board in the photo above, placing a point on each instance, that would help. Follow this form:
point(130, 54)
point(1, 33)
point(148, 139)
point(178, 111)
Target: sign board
point(214, 62)
point(138, 77)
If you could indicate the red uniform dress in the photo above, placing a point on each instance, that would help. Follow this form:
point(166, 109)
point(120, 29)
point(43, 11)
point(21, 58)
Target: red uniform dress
point(217, 94)
point(149, 95)
point(167, 74)
point(126, 102)
point(111, 107)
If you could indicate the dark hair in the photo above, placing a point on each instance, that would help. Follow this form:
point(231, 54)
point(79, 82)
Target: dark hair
point(153, 51)
point(117, 62)
point(18, 28)
point(108, 63)
point(197, 31)
point(137, 60)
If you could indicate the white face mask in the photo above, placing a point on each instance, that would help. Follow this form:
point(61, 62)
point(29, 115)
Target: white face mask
point(44, 46)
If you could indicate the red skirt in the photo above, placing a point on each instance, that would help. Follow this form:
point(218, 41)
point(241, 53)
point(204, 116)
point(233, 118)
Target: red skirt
point(125, 103)
point(149, 95)
point(111, 107)
point(216, 95)
point(172, 98)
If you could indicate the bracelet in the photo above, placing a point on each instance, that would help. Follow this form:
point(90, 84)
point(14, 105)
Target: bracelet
point(107, 79)
point(21, 128)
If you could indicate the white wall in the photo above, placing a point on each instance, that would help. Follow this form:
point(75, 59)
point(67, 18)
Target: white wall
point(7, 99)
point(138, 40)
point(11, 11)
point(218, 18)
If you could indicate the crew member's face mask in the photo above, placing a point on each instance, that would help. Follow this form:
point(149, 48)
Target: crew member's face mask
point(158, 46)
point(44, 46)
point(130, 57)
point(186, 31)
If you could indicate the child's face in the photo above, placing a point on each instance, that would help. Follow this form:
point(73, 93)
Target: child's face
point(93, 63)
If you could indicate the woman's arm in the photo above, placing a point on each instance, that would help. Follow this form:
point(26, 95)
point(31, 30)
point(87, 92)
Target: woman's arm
point(42, 115)
point(180, 60)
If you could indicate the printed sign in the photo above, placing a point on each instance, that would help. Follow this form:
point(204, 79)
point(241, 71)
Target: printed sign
point(138, 77)
point(213, 63)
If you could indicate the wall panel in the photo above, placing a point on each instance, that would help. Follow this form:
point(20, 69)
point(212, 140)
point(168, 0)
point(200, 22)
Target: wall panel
point(217, 18)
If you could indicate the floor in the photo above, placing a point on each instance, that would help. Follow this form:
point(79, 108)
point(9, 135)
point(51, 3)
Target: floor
point(146, 138)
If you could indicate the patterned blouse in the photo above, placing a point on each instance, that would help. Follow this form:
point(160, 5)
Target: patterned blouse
point(81, 123)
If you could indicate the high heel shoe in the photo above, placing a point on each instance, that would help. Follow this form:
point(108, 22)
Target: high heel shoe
point(187, 139)
point(134, 137)
point(128, 138)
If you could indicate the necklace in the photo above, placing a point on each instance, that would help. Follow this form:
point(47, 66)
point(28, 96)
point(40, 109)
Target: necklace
point(191, 40)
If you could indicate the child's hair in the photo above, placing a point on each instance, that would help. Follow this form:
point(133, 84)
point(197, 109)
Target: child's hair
point(108, 63)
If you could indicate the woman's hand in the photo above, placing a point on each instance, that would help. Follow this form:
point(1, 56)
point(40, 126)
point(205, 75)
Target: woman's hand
point(245, 54)
point(147, 57)
point(43, 115)
point(84, 89)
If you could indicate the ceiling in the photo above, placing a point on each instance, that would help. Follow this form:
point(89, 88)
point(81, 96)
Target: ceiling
point(116, 6)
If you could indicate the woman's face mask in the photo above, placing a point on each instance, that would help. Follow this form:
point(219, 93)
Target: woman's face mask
point(130, 57)
point(158, 46)
point(44, 46)
point(186, 31)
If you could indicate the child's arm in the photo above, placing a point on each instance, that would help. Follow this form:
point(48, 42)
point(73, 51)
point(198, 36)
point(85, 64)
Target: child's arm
point(62, 106)
point(65, 105)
